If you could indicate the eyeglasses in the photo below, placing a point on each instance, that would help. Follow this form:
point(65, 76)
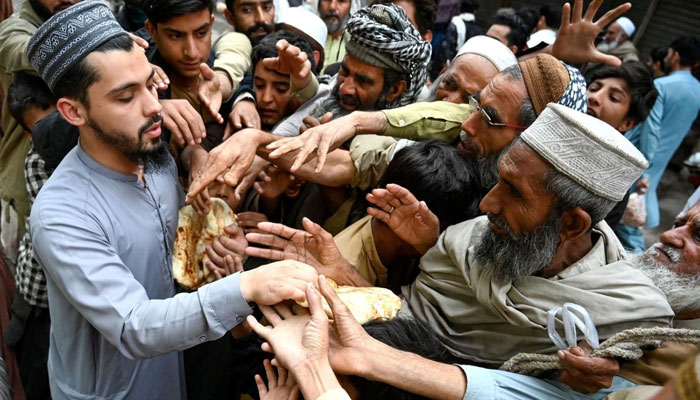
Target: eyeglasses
point(474, 103)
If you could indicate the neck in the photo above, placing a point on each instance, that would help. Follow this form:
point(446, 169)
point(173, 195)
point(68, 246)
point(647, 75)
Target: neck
point(337, 34)
point(568, 253)
point(389, 246)
point(106, 155)
point(680, 68)
point(688, 314)
point(189, 84)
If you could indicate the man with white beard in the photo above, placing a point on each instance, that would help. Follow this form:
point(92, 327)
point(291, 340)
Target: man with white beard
point(617, 42)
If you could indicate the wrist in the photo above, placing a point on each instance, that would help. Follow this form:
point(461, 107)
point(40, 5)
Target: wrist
point(246, 286)
point(315, 377)
point(369, 122)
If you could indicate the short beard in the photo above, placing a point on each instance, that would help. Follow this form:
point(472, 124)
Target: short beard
point(331, 104)
point(487, 166)
point(511, 257)
point(152, 160)
point(337, 27)
point(41, 11)
point(682, 290)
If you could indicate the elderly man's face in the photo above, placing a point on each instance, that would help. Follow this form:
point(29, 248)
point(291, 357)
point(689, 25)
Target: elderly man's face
point(335, 14)
point(523, 234)
point(501, 99)
point(47, 8)
point(614, 32)
point(360, 85)
point(466, 75)
point(680, 246)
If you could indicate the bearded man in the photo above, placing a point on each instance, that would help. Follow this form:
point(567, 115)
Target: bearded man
point(335, 14)
point(103, 226)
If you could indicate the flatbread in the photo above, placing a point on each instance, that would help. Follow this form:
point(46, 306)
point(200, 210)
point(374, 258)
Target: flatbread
point(365, 303)
point(194, 233)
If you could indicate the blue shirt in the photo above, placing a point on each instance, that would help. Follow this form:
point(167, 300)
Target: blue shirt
point(663, 131)
point(105, 241)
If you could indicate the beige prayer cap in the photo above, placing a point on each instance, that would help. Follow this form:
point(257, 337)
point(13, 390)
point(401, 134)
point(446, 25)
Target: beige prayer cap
point(491, 49)
point(546, 80)
point(587, 150)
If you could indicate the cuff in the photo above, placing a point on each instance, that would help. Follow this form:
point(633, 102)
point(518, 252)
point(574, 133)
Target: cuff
point(335, 394)
point(244, 96)
point(480, 383)
point(224, 300)
point(306, 93)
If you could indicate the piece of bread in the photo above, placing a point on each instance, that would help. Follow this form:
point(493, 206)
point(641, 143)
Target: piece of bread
point(365, 303)
point(194, 233)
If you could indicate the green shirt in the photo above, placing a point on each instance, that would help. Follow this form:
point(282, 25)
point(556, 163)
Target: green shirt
point(335, 49)
point(15, 33)
point(422, 121)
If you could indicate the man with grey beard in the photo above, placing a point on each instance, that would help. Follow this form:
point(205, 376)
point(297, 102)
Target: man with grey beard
point(335, 14)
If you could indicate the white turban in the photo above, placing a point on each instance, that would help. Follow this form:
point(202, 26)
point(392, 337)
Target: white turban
point(491, 49)
point(627, 25)
point(587, 150)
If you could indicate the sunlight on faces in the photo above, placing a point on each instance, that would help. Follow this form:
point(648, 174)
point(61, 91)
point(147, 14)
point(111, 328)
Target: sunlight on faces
point(254, 18)
point(273, 95)
point(124, 111)
point(184, 41)
point(523, 233)
point(501, 99)
point(466, 75)
point(609, 100)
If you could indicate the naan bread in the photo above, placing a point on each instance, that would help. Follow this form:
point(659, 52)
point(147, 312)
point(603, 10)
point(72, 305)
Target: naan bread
point(365, 303)
point(194, 233)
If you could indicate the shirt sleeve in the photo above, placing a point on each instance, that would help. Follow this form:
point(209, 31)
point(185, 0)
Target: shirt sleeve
point(649, 131)
point(35, 173)
point(422, 121)
point(371, 155)
point(89, 273)
point(233, 52)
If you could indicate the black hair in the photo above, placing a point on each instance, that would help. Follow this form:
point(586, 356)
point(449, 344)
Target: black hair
point(439, 174)
point(406, 335)
point(688, 47)
point(25, 93)
point(552, 15)
point(469, 6)
point(640, 85)
point(426, 12)
point(518, 31)
point(76, 81)
point(159, 11)
point(530, 16)
point(658, 55)
point(265, 48)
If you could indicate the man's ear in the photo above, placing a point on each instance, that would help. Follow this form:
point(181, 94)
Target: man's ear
point(428, 36)
point(514, 49)
point(72, 111)
point(574, 224)
point(151, 29)
point(229, 18)
point(317, 57)
point(626, 125)
point(397, 90)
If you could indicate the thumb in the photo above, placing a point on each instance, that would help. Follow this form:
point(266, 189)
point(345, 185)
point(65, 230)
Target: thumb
point(207, 73)
point(326, 117)
point(314, 300)
point(601, 58)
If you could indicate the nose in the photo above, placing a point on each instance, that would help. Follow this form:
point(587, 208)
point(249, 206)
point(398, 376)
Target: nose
point(259, 15)
point(266, 97)
point(190, 49)
point(470, 125)
point(347, 87)
point(674, 237)
point(490, 203)
point(333, 6)
point(594, 98)
point(151, 105)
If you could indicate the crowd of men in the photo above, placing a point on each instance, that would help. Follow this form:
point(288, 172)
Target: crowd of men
point(483, 175)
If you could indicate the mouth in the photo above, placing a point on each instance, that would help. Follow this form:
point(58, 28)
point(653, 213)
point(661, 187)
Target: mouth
point(154, 130)
point(592, 112)
point(190, 65)
point(268, 112)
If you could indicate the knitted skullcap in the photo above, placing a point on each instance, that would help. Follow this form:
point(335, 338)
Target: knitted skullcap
point(546, 80)
point(587, 150)
point(68, 36)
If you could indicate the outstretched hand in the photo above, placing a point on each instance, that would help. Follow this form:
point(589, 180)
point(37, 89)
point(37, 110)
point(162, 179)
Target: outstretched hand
point(209, 91)
point(575, 41)
point(291, 61)
point(409, 218)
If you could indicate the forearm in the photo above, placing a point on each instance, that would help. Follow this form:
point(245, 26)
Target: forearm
point(315, 379)
point(190, 153)
point(225, 84)
point(413, 373)
point(336, 172)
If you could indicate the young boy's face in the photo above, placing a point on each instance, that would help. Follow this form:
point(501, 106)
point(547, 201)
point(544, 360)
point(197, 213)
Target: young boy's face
point(609, 100)
point(184, 41)
point(273, 93)
point(225, 193)
point(34, 115)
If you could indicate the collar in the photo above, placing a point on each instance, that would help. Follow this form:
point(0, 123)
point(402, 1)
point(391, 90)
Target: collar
point(681, 72)
point(96, 167)
point(467, 17)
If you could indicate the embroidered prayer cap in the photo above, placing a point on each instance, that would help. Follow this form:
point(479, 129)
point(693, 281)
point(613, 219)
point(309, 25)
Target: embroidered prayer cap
point(491, 49)
point(587, 150)
point(307, 23)
point(627, 25)
point(382, 35)
point(68, 36)
point(548, 80)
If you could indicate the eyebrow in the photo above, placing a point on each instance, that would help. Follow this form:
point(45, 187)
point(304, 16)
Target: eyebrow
point(129, 85)
point(252, 3)
point(171, 30)
point(493, 113)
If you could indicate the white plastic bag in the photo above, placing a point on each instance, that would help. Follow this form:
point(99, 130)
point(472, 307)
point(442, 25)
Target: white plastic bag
point(636, 211)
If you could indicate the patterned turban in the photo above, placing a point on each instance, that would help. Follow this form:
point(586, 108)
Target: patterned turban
point(383, 36)
point(69, 36)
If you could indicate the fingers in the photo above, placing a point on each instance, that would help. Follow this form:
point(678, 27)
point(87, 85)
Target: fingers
point(272, 241)
point(565, 17)
point(141, 42)
point(271, 315)
point(286, 145)
point(337, 306)
point(201, 202)
point(279, 229)
point(217, 271)
point(160, 78)
point(578, 11)
point(283, 310)
point(270, 372)
point(272, 63)
point(401, 193)
point(316, 229)
point(262, 331)
point(315, 305)
point(612, 15)
point(592, 9)
point(265, 253)
point(262, 389)
point(379, 214)
point(601, 58)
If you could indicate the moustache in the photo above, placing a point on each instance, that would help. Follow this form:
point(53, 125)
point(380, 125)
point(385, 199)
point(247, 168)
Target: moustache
point(351, 100)
point(330, 14)
point(499, 223)
point(267, 28)
point(154, 119)
point(673, 253)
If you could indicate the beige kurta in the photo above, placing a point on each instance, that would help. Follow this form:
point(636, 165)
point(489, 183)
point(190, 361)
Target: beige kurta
point(487, 321)
point(356, 244)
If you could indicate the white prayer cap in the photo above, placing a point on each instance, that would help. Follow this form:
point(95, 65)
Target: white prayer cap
point(491, 49)
point(627, 25)
point(308, 23)
point(587, 150)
